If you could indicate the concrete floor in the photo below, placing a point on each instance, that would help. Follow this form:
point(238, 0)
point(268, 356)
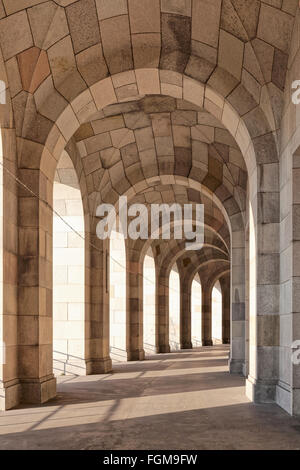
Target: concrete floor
point(184, 400)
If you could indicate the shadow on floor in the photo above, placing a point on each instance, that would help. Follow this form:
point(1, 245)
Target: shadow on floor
point(184, 400)
point(233, 427)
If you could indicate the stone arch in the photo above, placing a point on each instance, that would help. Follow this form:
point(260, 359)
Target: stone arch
point(148, 82)
point(189, 89)
point(249, 100)
point(163, 299)
point(151, 81)
point(136, 251)
point(208, 272)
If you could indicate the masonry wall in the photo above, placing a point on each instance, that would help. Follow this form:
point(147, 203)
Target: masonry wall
point(288, 389)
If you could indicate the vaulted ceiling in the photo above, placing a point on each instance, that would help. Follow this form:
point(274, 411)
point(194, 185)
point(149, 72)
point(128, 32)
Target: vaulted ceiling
point(154, 148)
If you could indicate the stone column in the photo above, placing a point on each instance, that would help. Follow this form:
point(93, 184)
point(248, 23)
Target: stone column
point(290, 324)
point(225, 287)
point(38, 384)
point(206, 313)
point(185, 315)
point(98, 360)
point(10, 388)
point(264, 332)
point(162, 313)
point(288, 387)
point(134, 307)
point(237, 361)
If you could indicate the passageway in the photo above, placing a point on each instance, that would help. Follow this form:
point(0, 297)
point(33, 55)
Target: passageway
point(181, 400)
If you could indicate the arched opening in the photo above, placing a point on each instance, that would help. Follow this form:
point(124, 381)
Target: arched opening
point(196, 312)
point(216, 314)
point(117, 297)
point(192, 137)
point(149, 303)
point(174, 309)
point(68, 271)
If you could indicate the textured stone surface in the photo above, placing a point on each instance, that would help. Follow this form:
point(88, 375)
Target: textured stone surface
point(83, 23)
point(15, 35)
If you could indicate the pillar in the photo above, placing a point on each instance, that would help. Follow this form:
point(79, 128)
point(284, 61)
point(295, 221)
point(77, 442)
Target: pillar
point(134, 307)
point(35, 321)
point(206, 313)
point(264, 324)
point(162, 312)
point(10, 388)
point(185, 315)
point(237, 361)
point(98, 360)
point(225, 287)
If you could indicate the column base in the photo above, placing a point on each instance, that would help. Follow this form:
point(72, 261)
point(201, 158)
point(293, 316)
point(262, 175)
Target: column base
point(10, 394)
point(138, 355)
point(261, 391)
point(187, 345)
point(98, 366)
point(163, 349)
point(284, 397)
point(207, 342)
point(38, 391)
point(237, 366)
point(288, 398)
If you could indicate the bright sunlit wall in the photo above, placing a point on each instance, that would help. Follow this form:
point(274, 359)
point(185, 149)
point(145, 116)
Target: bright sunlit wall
point(149, 302)
point(196, 312)
point(217, 314)
point(117, 297)
point(174, 309)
